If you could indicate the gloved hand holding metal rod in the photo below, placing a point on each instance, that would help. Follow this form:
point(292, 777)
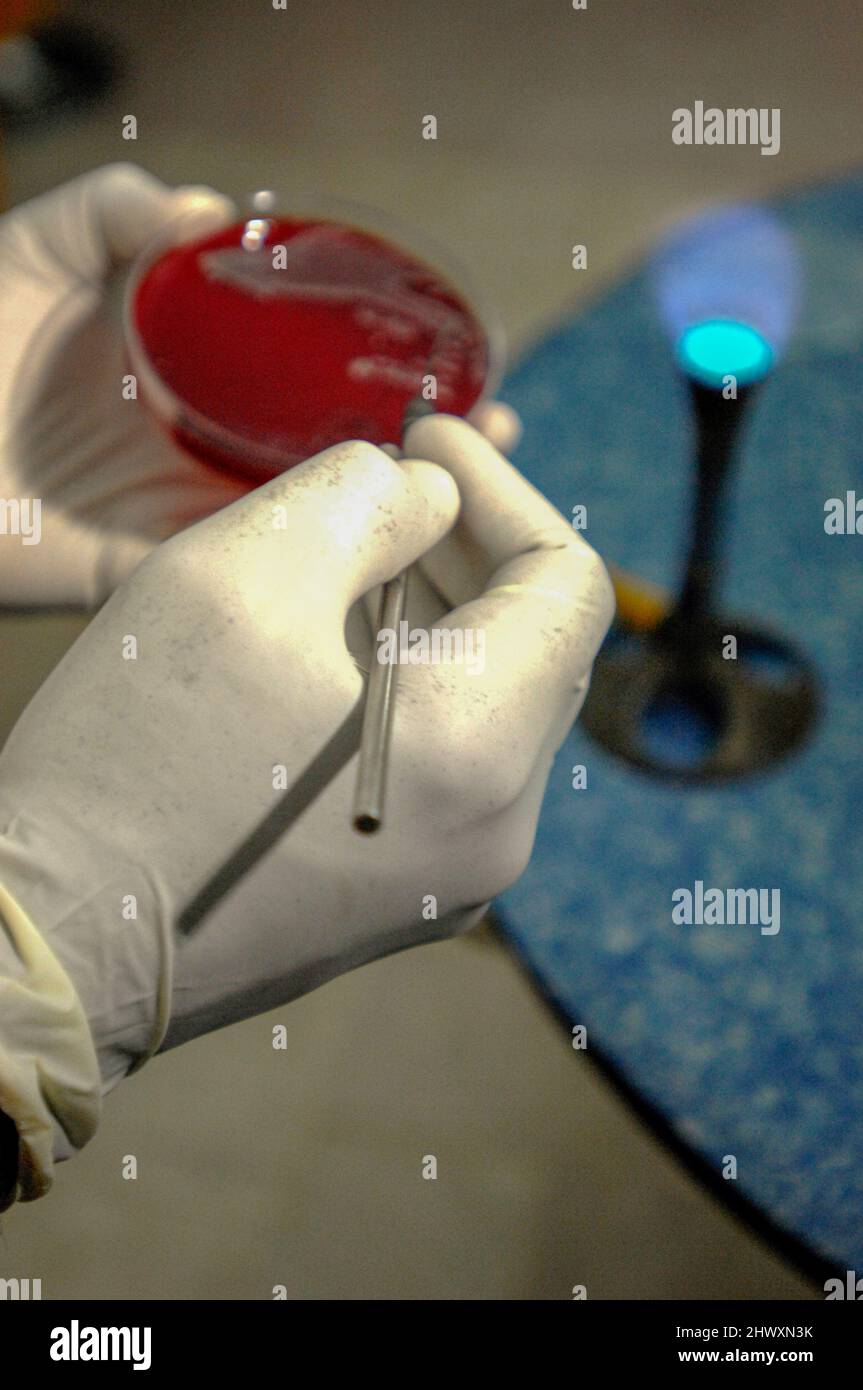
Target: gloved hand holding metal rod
point(202, 731)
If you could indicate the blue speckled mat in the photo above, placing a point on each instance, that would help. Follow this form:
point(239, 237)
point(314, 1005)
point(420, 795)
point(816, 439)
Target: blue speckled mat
point(747, 1044)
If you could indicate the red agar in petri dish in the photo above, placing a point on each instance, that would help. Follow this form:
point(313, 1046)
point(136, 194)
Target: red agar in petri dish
point(258, 358)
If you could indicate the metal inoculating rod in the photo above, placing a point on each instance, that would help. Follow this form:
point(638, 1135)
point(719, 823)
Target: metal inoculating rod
point(368, 812)
point(378, 717)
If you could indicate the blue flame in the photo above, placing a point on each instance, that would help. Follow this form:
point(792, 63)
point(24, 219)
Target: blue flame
point(728, 287)
point(721, 348)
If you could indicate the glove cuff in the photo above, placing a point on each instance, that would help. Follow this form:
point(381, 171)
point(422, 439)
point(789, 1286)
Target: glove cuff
point(50, 1085)
point(85, 984)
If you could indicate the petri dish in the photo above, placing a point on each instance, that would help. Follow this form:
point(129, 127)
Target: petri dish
point(306, 322)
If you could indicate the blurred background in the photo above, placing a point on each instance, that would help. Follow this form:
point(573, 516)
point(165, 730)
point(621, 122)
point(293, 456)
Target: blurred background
point(302, 1167)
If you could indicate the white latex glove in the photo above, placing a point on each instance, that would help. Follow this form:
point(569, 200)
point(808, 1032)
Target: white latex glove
point(143, 778)
point(110, 482)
